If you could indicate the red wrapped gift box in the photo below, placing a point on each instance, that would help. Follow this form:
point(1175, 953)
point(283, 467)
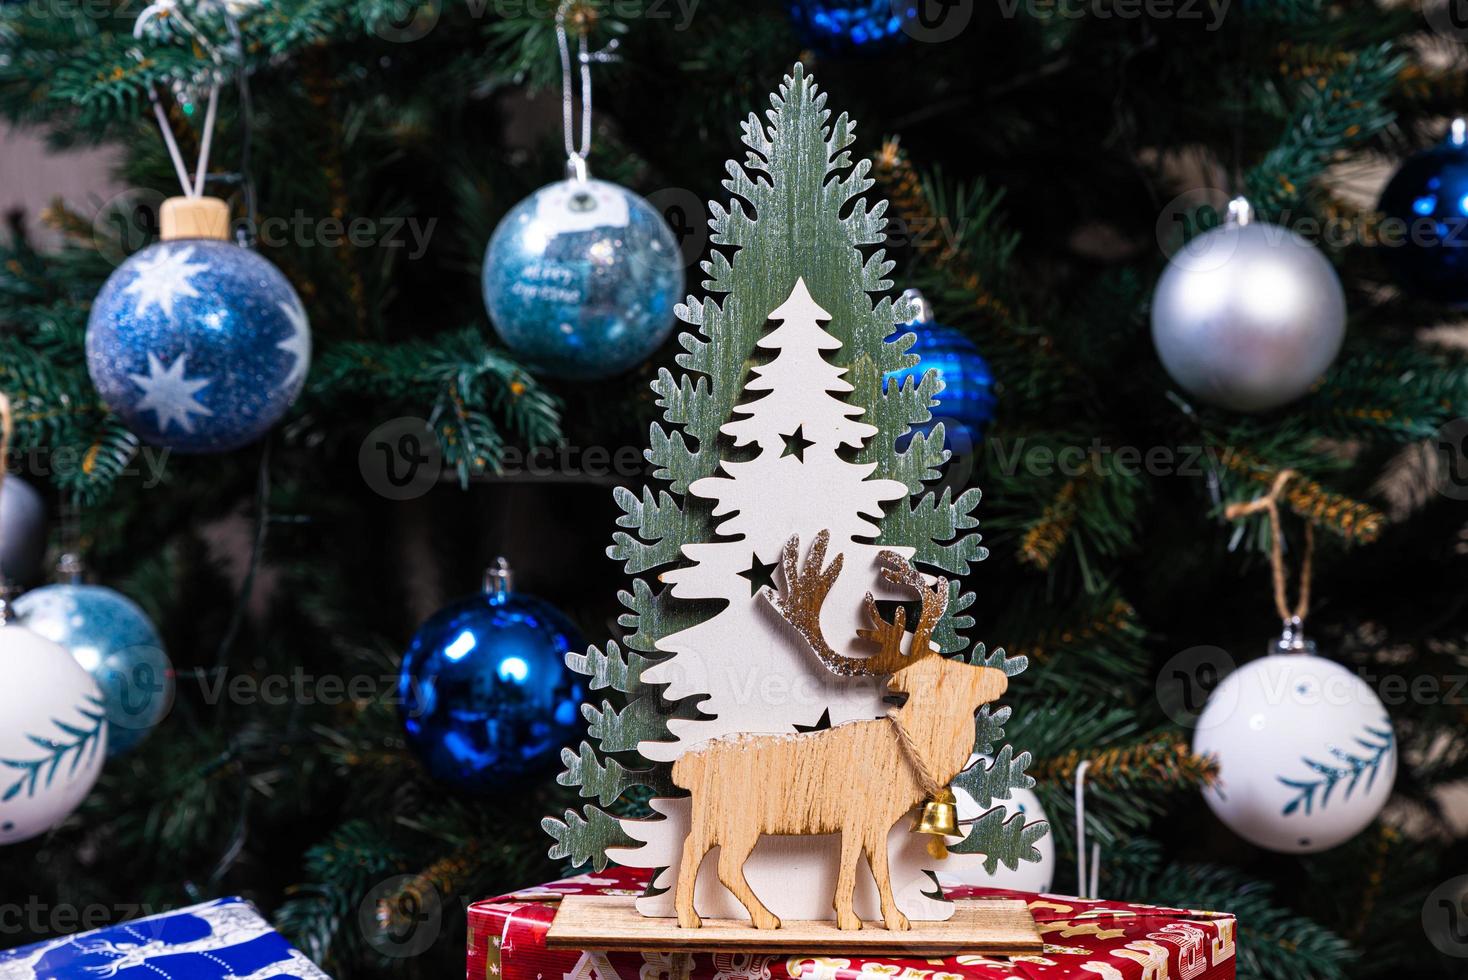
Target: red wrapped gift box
point(1083, 938)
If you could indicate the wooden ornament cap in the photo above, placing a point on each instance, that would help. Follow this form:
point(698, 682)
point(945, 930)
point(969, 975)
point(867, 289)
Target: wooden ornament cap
point(194, 217)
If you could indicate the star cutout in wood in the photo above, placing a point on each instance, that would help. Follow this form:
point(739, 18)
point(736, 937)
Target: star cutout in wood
point(821, 725)
point(759, 574)
point(796, 444)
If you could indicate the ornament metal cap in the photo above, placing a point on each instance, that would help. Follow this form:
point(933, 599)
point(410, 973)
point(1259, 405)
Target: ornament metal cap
point(1293, 639)
point(194, 217)
point(71, 568)
point(499, 580)
point(1240, 212)
point(922, 310)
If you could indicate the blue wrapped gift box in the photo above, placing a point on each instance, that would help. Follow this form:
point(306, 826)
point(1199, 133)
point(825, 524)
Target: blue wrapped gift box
point(221, 940)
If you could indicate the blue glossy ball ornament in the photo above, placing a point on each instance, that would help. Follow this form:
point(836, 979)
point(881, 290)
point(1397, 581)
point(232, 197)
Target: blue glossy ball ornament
point(199, 345)
point(484, 692)
point(966, 403)
point(114, 640)
point(581, 278)
point(849, 26)
point(1424, 237)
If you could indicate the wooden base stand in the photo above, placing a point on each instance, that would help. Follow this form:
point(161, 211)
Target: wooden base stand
point(995, 926)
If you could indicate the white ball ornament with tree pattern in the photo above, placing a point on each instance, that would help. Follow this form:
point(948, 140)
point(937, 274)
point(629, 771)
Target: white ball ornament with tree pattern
point(53, 733)
point(1305, 749)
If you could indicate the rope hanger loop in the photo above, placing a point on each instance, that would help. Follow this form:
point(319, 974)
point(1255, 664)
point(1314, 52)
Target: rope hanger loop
point(1269, 504)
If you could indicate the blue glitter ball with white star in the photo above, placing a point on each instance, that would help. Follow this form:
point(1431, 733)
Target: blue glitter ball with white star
point(966, 403)
point(1424, 232)
point(849, 26)
point(199, 345)
point(581, 278)
point(109, 635)
point(484, 691)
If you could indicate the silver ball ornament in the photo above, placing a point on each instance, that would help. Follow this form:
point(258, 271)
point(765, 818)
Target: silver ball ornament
point(22, 529)
point(1248, 316)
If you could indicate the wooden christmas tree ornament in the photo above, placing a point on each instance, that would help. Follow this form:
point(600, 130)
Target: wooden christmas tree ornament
point(755, 694)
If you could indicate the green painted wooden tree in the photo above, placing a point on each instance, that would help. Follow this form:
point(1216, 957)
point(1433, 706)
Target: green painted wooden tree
point(797, 212)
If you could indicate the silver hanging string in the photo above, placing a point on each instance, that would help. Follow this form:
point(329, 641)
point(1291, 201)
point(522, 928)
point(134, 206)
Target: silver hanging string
point(576, 154)
point(192, 186)
point(1086, 886)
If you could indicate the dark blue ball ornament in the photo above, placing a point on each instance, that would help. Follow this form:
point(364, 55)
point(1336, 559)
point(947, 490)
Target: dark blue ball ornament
point(115, 641)
point(580, 279)
point(199, 345)
point(1425, 235)
point(849, 26)
point(484, 691)
point(966, 403)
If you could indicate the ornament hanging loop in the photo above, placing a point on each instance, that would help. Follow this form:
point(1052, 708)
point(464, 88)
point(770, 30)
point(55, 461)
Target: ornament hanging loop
point(193, 187)
point(1240, 213)
point(499, 580)
point(1293, 638)
point(1086, 884)
point(576, 153)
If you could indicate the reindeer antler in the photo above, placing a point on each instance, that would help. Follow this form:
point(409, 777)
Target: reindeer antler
point(900, 571)
point(805, 592)
point(806, 589)
point(888, 636)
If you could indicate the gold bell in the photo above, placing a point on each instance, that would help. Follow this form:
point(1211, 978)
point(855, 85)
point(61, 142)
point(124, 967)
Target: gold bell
point(939, 818)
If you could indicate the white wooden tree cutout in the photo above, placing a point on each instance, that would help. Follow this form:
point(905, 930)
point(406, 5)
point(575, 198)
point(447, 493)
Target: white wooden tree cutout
point(749, 663)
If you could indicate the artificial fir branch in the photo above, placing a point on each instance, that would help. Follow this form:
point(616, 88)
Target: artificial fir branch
point(900, 182)
point(1338, 108)
point(320, 89)
point(926, 222)
point(1044, 539)
point(1386, 842)
point(1353, 520)
point(1117, 618)
point(1162, 760)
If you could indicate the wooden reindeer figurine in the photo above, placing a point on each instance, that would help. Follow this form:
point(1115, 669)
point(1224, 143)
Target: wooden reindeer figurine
point(856, 779)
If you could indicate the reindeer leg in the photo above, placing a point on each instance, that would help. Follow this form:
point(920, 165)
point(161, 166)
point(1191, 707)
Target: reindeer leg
point(695, 846)
point(876, 848)
point(732, 855)
point(846, 917)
